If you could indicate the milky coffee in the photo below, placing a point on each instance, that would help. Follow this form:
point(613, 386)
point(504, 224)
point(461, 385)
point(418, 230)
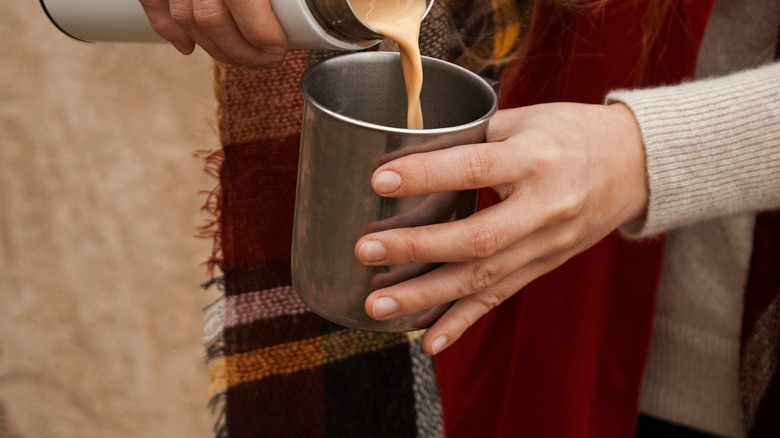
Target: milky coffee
point(400, 20)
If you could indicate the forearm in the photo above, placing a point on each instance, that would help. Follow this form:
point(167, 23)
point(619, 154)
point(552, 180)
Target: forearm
point(712, 148)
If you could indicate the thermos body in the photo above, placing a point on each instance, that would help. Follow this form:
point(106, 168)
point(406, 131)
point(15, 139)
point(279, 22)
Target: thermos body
point(101, 20)
point(309, 24)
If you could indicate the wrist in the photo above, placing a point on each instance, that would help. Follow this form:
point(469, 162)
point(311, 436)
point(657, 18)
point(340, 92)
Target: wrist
point(629, 135)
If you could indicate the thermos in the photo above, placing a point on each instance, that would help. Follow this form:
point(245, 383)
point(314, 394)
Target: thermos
point(310, 24)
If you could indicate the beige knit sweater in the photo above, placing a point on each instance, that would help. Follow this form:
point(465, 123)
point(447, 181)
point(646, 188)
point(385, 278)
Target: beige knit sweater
point(713, 160)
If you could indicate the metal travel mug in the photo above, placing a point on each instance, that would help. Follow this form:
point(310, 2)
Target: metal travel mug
point(353, 121)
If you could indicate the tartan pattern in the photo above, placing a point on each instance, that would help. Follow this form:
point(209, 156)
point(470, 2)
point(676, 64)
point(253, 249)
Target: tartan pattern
point(276, 368)
point(760, 348)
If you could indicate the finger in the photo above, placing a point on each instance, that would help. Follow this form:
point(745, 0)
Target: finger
point(444, 285)
point(527, 212)
point(467, 311)
point(216, 19)
point(480, 235)
point(552, 246)
point(158, 13)
point(184, 16)
point(453, 323)
point(458, 168)
point(258, 23)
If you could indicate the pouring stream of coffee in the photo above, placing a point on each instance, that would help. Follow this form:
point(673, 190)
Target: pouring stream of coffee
point(400, 20)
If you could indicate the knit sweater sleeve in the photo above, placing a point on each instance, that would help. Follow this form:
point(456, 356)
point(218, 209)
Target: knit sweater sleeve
point(712, 148)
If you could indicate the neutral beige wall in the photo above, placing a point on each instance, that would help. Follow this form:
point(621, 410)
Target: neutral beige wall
point(100, 305)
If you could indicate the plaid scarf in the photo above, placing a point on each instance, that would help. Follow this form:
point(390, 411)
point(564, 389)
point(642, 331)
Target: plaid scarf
point(277, 369)
point(760, 347)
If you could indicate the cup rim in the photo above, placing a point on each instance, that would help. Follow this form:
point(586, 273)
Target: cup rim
point(390, 129)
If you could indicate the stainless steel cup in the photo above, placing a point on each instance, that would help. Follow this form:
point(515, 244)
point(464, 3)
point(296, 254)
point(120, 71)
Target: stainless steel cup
point(353, 121)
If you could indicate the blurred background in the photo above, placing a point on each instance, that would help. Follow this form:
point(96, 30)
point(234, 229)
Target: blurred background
point(100, 272)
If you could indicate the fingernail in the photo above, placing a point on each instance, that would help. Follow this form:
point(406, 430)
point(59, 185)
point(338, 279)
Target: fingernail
point(384, 307)
point(372, 251)
point(274, 50)
point(439, 344)
point(387, 182)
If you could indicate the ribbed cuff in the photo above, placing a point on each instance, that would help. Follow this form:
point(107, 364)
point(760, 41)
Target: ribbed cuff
point(712, 147)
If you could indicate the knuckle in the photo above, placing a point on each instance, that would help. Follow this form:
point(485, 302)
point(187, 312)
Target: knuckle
point(483, 275)
point(428, 172)
point(479, 165)
point(572, 205)
point(549, 155)
point(489, 300)
point(564, 241)
point(181, 12)
point(484, 242)
point(210, 15)
point(423, 175)
point(412, 250)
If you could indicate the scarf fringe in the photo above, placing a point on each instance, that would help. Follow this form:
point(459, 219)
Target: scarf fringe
point(212, 208)
point(214, 342)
